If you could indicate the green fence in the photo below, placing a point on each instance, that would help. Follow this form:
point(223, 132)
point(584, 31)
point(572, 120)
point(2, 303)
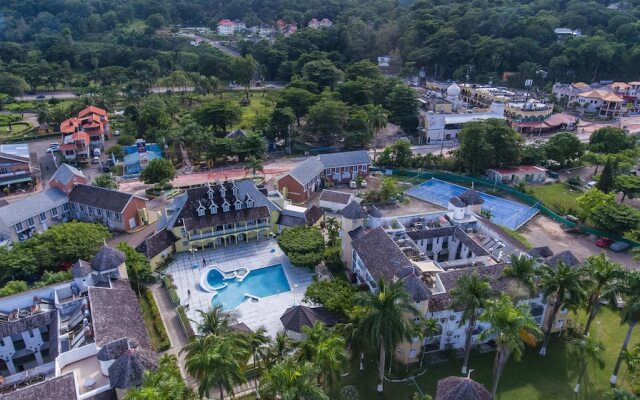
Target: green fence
point(524, 197)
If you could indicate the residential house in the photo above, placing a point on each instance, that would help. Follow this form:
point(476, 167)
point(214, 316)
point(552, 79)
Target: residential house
point(66, 178)
point(522, 173)
point(605, 103)
point(568, 93)
point(335, 201)
point(305, 179)
point(226, 27)
point(117, 210)
point(566, 33)
point(33, 214)
point(291, 216)
point(15, 165)
point(158, 247)
point(76, 148)
point(221, 214)
point(82, 134)
point(85, 338)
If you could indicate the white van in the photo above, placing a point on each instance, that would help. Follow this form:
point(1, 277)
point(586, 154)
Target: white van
point(591, 184)
point(97, 152)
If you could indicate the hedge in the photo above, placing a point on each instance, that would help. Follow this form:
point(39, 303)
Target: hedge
point(168, 282)
point(184, 321)
point(156, 321)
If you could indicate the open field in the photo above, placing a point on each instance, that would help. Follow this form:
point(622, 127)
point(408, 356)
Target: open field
point(557, 196)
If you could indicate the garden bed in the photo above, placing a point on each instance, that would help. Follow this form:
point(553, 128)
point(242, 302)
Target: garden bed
point(153, 321)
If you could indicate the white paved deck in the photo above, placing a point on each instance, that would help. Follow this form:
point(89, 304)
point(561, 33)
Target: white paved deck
point(253, 255)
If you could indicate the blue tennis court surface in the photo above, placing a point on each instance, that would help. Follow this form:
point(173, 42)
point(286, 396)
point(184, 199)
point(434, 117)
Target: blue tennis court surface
point(504, 212)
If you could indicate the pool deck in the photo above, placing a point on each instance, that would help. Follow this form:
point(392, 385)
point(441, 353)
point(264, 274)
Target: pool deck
point(253, 255)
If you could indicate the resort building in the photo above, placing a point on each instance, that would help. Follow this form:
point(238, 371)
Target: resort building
point(16, 165)
point(291, 216)
point(515, 175)
point(82, 134)
point(529, 111)
point(158, 247)
point(222, 213)
point(80, 339)
point(334, 201)
point(439, 127)
point(138, 156)
point(66, 178)
point(428, 253)
point(301, 182)
point(605, 103)
point(226, 27)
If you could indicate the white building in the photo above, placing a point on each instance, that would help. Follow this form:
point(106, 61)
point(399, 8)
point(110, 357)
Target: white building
point(226, 27)
point(439, 127)
point(335, 201)
point(514, 175)
point(605, 103)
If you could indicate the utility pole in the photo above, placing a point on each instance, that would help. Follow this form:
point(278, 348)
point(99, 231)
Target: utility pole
point(289, 133)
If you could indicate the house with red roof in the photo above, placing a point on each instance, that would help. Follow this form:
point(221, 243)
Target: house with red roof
point(226, 27)
point(82, 134)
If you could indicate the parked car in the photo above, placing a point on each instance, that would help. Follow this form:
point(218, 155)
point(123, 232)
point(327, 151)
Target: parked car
point(40, 97)
point(95, 160)
point(604, 242)
point(352, 184)
point(619, 246)
point(54, 144)
point(363, 184)
point(591, 184)
point(116, 133)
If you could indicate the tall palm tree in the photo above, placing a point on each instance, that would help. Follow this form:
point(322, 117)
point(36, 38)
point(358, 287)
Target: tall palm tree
point(429, 328)
point(523, 269)
point(280, 348)
point(353, 339)
point(590, 351)
point(469, 295)
point(630, 316)
point(333, 230)
point(604, 281)
point(511, 328)
point(376, 119)
point(254, 164)
point(292, 380)
point(258, 342)
point(562, 285)
point(217, 361)
point(388, 320)
point(325, 349)
point(216, 321)
point(163, 383)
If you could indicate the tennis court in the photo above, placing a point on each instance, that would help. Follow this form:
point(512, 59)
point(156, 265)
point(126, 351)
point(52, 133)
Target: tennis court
point(504, 212)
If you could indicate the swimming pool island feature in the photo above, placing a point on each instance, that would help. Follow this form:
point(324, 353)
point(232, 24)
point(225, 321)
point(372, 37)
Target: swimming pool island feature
point(232, 288)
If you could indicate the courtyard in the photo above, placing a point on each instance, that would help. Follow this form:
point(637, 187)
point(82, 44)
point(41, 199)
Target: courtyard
point(187, 270)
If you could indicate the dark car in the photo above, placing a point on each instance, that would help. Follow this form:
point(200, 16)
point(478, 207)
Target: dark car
point(603, 242)
point(619, 246)
point(40, 96)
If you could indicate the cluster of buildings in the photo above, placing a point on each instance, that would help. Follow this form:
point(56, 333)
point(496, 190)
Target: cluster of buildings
point(428, 253)
point(76, 340)
point(18, 167)
point(318, 24)
point(70, 197)
point(606, 99)
point(83, 134)
point(227, 27)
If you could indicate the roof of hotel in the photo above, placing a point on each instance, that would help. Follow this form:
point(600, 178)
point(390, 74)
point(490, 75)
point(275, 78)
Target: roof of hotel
point(20, 150)
point(602, 95)
point(334, 196)
point(105, 199)
point(128, 369)
point(471, 197)
point(354, 210)
point(446, 231)
point(380, 254)
point(374, 212)
point(31, 206)
point(80, 269)
point(157, 243)
point(565, 256)
point(307, 171)
point(107, 259)
point(357, 157)
point(92, 109)
point(297, 317)
point(59, 388)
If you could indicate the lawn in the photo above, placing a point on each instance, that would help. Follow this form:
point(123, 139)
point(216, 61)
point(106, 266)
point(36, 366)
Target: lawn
point(16, 129)
point(534, 378)
point(558, 196)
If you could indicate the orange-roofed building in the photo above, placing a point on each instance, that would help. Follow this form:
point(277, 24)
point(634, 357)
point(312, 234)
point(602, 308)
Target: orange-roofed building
point(76, 148)
point(93, 110)
point(93, 123)
point(606, 104)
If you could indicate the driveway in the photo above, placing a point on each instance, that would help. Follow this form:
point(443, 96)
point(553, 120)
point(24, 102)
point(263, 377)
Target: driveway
point(542, 231)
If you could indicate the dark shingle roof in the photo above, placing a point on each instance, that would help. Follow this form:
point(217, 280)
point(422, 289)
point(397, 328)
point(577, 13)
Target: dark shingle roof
point(157, 243)
point(298, 316)
point(456, 202)
point(107, 258)
point(471, 197)
point(116, 315)
point(459, 388)
point(59, 388)
point(241, 327)
point(374, 212)
point(565, 256)
point(80, 269)
point(113, 350)
point(357, 233)
point(238, 133)
point(20, 325)
point(307, 171)
point(335, 196)
point(98, 197)
point(540, 252)
point(128, 370)
point(345, 158)
point(354, 210)
point(416, 288)
point(290, 220)
point(313, 214)
point(380, 254)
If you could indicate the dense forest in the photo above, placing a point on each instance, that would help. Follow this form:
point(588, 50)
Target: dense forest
point(48, 42)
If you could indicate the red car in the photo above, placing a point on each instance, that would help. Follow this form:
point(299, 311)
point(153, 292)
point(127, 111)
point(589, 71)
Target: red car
point(603, 242)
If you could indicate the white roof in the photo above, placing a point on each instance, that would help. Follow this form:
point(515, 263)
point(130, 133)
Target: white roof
point(462, 118)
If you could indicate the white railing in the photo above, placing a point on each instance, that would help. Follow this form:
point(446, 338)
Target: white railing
point(197, 236)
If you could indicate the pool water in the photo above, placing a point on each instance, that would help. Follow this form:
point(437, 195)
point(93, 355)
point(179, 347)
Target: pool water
point(262, 282)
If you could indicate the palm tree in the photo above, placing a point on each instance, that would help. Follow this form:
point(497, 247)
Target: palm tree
point(217, 361)
point(561, 284)
point(630, 315)
point(604, 282)
point(333, 230)
point(469, 295)
point(253, 164)
point(590, 350)
point(488, 214)
point(163, 383)
point(216, 321)
point(291, 380)
point(511, 328)
point(258, 342)
point(376, 119)
point(352, 337)
point(429, 328)
point(523, 269)
point(280, 348)
point(619, 394)
point(388, 319)
point(325, 349)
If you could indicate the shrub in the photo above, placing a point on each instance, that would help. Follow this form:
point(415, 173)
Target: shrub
point(333, 259)
point(168, 282)
point(156, 319)
point(184, 320)
point(304, 245)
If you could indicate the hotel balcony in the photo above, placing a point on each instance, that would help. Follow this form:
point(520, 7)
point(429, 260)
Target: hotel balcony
point(223, 232)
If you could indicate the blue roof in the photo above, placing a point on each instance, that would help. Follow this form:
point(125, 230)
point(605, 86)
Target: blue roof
point(15, 149)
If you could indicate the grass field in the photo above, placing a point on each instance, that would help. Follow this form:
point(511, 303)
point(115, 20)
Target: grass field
point(16, 129)
point(557, 196)
point(534, 378)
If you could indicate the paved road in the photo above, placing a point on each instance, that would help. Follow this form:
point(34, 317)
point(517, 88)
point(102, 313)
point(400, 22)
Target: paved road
point(213, 43)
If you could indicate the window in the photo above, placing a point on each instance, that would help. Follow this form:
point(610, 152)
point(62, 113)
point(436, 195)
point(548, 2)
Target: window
point(213, 209)
point(19, 227)
point(90, 210)
point(81, 208)
point(109, 214)
point(65, 206)
point(238, 205)
point(99, 212)
point(117, 216)
point(43, 217)
point(235, 191)
point(354, 168)
point(200, 212)
point(249, 203)
point(225, 208)
point(54, 211)
point(31, 222)
point(185, 243)
point(183, 230)
point(363, 167)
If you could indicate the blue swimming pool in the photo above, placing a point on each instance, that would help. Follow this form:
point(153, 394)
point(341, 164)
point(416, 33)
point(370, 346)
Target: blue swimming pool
point(261, 282)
